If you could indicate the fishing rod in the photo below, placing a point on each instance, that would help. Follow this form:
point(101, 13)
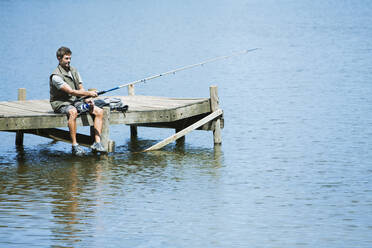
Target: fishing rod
point(172, 72)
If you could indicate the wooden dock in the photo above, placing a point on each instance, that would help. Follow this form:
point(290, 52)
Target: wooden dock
point(182, 114)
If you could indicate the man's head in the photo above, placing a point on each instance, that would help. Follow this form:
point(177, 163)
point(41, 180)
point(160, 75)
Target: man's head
point(64, 57)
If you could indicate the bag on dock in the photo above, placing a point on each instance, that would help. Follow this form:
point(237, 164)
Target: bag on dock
point(114, 103)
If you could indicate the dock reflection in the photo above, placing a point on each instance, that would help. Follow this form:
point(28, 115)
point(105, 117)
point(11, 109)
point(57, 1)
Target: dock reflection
point(73, 191)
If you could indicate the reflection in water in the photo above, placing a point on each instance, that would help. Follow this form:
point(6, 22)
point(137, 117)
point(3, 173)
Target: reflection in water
point(74, 192)
point(20, 154)
point(66, 207)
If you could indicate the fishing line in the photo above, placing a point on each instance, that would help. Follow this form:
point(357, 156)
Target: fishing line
point(172, 72)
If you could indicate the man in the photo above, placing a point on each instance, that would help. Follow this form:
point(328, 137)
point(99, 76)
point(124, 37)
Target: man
point(65, 87)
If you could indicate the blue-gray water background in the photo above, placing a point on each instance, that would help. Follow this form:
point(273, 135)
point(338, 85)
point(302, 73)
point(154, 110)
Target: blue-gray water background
point(294, 169)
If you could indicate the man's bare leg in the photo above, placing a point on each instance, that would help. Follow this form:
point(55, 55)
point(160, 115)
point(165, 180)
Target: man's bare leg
point(72, 124)
point(76, 149)
point(98, 120)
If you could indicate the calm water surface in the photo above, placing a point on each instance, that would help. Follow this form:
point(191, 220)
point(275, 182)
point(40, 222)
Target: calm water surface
point(294, 169)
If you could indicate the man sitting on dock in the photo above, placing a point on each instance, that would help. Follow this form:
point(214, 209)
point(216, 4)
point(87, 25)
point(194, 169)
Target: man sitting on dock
point(65, 88)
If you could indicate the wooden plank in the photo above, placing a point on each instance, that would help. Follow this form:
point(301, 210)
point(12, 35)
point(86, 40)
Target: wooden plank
point(30, 122)
point(149, 98)
point(41, 103)
point(150, 103)
point(159, 115)
point(6, 110)
point(185, 131)
point(214, 106)
point(12, 109)
point(136, 103)
point(36, 106)
point(209, 126)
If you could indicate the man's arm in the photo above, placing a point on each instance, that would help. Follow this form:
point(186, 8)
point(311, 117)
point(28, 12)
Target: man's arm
point(80, 92)
point(62, 85)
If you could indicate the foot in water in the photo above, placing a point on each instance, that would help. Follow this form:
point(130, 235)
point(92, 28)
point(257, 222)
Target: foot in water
point(77, 150)
point(97, 147)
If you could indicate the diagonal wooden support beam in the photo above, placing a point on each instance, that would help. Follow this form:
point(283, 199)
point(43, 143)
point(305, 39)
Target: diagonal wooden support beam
point(183, 132)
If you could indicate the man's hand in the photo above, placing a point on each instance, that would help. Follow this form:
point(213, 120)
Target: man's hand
point(91, 104)
point(89, 101)
point(92, 93)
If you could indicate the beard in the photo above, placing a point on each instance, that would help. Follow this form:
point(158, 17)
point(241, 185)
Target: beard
point(66, 67)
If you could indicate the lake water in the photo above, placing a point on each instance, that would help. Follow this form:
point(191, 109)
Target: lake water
point(295, 166)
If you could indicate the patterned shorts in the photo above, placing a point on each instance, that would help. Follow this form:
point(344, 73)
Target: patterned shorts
point(65, 109)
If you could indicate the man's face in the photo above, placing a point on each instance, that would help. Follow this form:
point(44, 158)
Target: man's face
point(65, 61)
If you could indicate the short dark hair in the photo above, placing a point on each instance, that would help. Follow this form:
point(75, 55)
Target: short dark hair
point(62, 51)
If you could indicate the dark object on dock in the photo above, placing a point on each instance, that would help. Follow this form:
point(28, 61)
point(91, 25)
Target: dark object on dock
point(182, 114)
point(114, 103)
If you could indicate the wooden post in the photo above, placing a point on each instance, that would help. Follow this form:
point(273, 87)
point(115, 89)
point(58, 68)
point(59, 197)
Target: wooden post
point(108, 144)
point(181, 140)
point(213, 90)
point(92, 133)
point(131, 90)
point(133, 129)
point(20, 134)
point(111, 146)
point(21, 94)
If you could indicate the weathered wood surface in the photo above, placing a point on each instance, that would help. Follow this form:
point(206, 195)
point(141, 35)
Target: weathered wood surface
point(185, 131)
point(20, 134)
point(214, 106)
point(143, 110)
